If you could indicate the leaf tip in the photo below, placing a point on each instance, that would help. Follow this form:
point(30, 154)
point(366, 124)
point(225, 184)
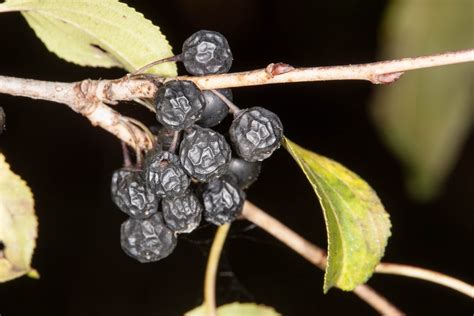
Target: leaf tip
point(34, 274)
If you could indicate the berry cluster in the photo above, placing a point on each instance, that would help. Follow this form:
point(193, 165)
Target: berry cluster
point(193, 171)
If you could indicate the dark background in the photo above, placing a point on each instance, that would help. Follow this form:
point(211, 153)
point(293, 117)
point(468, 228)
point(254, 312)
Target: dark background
point(68, 164)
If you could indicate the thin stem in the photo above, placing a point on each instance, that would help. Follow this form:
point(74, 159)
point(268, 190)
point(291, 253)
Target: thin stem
point(157, 62)
point(234, 109)
point(127, 163)
point(174, 142)
point(211, 270)
point(377, 73)
point(313, 254)
point(146, 104)
point(427, 275)
point(148, 134)
point(124, 121)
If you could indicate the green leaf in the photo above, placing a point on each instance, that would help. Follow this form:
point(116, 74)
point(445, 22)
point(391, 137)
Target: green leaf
point(357, 224)
point(426, 116)
point(105, 33)
point(236, 309)
point(18, 225)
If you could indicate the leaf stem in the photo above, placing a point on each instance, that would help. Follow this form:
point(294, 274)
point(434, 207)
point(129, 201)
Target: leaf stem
point(211, 270)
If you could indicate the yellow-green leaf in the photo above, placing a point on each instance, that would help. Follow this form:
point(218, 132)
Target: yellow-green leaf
point(105, 33)
point(357, 224)
point(18, 225)
point(426, 116)
point(237, 309)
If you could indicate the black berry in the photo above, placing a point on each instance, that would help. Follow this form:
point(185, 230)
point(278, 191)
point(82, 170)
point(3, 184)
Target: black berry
point(206, 52)
point(182, 214)
point(179, 104)
point(223, 201)
point(243, 172)
point(204, 154)
point(256, 133)
point(216, 110)
point(164, 174)
point(147, 240)
point(130, 194)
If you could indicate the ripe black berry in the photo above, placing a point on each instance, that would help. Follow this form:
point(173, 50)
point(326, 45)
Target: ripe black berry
point(223, 201)
point(164, 174)
point(216, 110)
point(206, 52)
point(179, 104)
point(147, 240)
point(204, 154)
point(130, 194)
point(182, 214)
point(243, 172)
point(256, 133)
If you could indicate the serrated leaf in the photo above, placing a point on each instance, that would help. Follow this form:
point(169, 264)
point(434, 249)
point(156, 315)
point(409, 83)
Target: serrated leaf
point(237, 309)
point(18, 225)
point(357, 224)
point(104, 33)
point(426, 116)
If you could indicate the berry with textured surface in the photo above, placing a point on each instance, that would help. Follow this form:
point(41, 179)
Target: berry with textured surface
point(243, 172)
point(164, 174)
point(130, 194)
point(256, 133)
point(223, 201)
point(204, 154)
point(206, 52)
point(182, 214)
point(147, 240)
point(216, 110)
point(179, 104)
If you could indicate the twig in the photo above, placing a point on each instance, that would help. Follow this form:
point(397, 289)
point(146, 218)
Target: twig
point(377, 301)
point(89, 97)
point(85, 97)
point(427, 275)
point(313, 254)
point(211, 270)
point(377, 73)
point(317, 256)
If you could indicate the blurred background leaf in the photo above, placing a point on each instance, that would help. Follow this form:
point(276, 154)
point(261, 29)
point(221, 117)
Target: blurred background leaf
point(425, 117)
